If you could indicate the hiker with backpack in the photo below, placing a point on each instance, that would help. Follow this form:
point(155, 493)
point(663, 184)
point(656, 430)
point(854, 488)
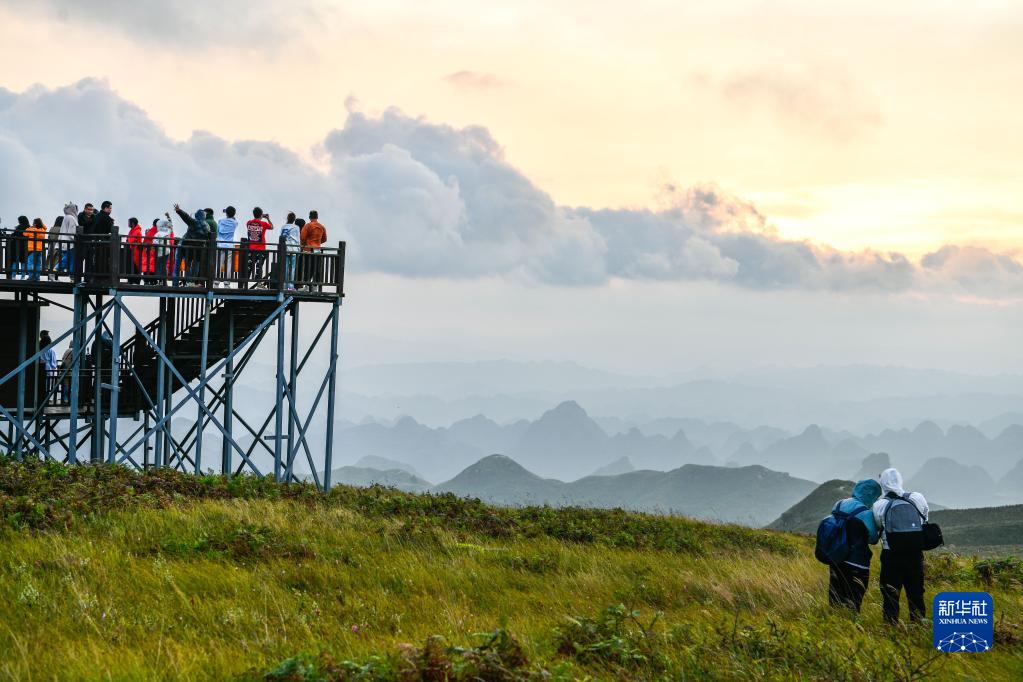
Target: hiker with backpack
point(905, 535)
point(843, 543)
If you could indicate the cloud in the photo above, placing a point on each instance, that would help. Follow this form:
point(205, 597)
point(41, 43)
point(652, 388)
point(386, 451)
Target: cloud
point(245, 23)
point(974, 269)
point(421, 199)
point(825, 102)
point(473, 80)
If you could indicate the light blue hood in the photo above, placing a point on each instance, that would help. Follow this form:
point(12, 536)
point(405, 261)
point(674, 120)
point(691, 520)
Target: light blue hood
point(867, 492)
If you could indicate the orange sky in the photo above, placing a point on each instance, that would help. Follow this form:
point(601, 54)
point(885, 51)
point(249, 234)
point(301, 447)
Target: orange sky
point(855, 124)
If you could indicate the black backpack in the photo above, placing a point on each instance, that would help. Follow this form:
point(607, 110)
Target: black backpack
point(905, 527)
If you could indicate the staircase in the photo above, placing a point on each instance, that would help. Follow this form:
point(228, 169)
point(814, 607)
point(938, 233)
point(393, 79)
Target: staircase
point(184, 345)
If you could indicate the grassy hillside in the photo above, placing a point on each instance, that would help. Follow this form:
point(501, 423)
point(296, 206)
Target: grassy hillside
point(963, 529)
point(985, 527)
point(109, 574)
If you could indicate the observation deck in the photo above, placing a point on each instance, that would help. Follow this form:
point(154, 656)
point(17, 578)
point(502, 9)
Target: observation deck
point(215, 304)
point(100, 263)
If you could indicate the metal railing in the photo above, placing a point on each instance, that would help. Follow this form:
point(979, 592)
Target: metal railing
point(123, 261)
point(54, 385)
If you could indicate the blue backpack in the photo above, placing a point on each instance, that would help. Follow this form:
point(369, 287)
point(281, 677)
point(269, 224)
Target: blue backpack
point(832, 537)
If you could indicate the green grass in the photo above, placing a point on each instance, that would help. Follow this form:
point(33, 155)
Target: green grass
point(109, 574)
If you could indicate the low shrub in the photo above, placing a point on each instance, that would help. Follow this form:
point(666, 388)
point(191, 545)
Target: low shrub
point(616, 637)
point(497, 658)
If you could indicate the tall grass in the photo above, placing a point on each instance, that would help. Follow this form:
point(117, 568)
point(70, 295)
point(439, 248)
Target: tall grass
point(109, 574)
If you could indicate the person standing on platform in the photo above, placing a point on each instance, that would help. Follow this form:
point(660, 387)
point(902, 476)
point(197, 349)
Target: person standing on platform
point(96, 228)
point(65, 385)
point(226, 227)
point(104, 224)
point(159, 241)
point(68, 238)
point(86, 218)
point(133, 251)
point(292, 240)
point(192, 244)
point(313, 237)
point(35, 246)
point(256, 230)
point(49, 357)
point(53, 248)
point(18, 249)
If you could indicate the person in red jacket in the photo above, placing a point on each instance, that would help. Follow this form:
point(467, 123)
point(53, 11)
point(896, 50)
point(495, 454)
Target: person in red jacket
point(256, 232)
point(135, 251)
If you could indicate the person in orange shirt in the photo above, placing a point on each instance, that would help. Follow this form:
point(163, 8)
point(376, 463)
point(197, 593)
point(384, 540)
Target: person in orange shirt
point(36, 247)
point(313, 236)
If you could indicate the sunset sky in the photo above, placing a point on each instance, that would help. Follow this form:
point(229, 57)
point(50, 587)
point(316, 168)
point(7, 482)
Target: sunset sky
point(873, 127)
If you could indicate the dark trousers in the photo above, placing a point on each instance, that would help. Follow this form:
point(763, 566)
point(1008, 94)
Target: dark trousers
point(847, 585)
point(902, 570)
point(257, 261)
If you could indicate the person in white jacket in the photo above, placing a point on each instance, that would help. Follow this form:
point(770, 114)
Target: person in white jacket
point(66, 238)
point(226, 248)
point(900, 569)
point(292, 234)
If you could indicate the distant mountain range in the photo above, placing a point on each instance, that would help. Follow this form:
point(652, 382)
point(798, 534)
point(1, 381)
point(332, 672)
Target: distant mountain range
point(364, 477)
point(622, 465)
point(816, 455)
point(861, 399)
point(384, 464)
point(566, 443)
point(985, 526)
point(563, 443)
point(748, 495)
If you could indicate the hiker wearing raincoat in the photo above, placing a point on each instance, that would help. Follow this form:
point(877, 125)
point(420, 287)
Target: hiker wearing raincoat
point(159, 246)
point(849, 578)
point(192, 245)
point(900, 568)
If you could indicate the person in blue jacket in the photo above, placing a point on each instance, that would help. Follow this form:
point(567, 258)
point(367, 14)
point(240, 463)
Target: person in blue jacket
point(848, 580)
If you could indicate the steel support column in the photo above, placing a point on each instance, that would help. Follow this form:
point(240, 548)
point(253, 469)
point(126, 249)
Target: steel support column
point(203, 355)
point(96, 442)
point(159, 404)
point(228, 390)
point(114, 387)
point(22, 353)
point(76, 364)
point(292, 389)
point(279, 397)
point(328, 455)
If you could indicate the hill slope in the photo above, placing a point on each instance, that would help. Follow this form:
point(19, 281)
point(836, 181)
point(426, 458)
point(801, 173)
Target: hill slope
point(982, 527)
point(803, 516)
point(501, 480)
point(401, 479)
point(243, 577)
